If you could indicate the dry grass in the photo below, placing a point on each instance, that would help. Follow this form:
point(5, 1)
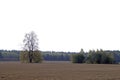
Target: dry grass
point(58, 71)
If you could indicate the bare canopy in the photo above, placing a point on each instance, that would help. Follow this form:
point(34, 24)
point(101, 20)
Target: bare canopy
point(30, 42)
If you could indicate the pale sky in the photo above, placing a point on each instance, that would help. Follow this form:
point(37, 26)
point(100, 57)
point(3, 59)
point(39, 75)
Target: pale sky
point(61, 25)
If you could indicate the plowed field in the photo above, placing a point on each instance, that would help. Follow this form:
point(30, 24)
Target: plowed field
point(58, 71)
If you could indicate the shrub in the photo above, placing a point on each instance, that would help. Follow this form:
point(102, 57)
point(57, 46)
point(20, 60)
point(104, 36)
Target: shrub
point(78, 58)
point(36, 57)
point(24, 58)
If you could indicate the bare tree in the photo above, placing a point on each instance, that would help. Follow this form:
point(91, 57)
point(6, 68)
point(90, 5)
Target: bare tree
point(30, 45)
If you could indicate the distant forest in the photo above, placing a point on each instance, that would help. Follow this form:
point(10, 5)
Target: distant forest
point(14, 55)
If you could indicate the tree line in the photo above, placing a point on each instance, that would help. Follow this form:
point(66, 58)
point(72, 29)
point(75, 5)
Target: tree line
point(15, 55)
point(94, 57)
point(32, 54)
point(9, 55)
point(56, 56)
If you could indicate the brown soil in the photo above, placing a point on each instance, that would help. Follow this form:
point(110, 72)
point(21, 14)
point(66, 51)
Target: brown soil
point(58, 71)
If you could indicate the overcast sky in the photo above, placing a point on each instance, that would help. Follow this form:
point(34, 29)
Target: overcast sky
point(61, 25)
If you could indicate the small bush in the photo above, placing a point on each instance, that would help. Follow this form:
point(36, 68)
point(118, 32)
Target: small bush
point(37, 57)
point(24, 57)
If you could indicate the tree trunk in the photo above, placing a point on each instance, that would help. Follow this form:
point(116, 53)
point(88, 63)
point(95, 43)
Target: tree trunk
point(30, 60)
point(30, 57)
